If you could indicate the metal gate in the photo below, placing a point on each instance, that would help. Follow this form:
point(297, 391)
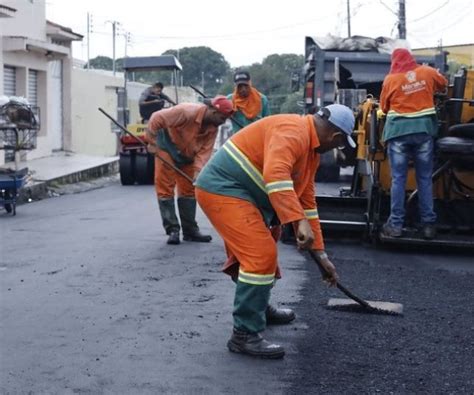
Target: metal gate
point(9, 81)
point(9, 89)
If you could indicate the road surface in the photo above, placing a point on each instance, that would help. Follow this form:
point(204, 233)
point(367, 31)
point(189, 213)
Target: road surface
point(93, 301)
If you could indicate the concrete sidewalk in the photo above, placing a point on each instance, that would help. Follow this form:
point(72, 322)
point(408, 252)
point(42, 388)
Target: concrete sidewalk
point(62, 168)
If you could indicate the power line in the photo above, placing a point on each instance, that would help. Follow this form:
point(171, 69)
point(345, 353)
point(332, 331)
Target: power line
point(430, 13)
point(240, 34)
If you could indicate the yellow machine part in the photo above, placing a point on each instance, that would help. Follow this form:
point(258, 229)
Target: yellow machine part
point(368, 109)
point(468, 110)
point(363, 149)
point(137, 129)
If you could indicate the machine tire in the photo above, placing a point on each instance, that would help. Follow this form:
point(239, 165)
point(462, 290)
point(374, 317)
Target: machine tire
point(127, 168)
point(141, 168)
point(8, 207)
point(328, 170)
point(328, 174)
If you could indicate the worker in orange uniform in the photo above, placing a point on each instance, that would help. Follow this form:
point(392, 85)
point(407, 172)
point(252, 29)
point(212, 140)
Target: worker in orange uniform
point(250, 105)
point(183, 135)
point(261, 177)
point(409, 131)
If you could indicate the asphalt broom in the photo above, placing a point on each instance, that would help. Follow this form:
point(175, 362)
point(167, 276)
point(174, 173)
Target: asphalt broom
point(356, 304)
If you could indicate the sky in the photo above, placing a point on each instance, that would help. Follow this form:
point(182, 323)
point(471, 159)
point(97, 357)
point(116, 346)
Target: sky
point(247, 31)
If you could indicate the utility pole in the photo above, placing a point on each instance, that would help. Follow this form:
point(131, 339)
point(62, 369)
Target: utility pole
point(402, 27)
point(114, 35)
point(348, 19)
point(89, 28)
point(114, 31)
point(126, 36)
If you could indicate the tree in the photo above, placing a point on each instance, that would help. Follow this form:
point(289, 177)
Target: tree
point(202, 64)
point(101, 63)
point(273, 78)
point(105, 63)
point(290, 105)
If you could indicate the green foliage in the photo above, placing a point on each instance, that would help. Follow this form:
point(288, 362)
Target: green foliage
point(272, 77)
point(100, 63)
point(290, 105)
point(105, 63)
point(202, 64)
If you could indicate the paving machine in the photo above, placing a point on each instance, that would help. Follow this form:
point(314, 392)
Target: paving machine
point(345, 70)
point(135, 163)
point(364, 206)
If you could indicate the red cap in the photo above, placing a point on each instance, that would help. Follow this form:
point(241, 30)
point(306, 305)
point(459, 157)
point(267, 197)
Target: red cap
point(223, 105)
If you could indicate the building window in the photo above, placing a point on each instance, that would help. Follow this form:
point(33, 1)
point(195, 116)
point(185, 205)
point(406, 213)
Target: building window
point(9, 81)
point(33, 87)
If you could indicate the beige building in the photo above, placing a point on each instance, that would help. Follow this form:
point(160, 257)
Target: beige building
point(461, 54)
point(36, 63)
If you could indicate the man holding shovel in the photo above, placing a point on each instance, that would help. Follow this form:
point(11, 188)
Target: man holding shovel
point(183, 135)
point(263, 176)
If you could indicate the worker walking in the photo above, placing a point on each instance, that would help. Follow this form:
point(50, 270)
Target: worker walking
point(249, 104)
point(183, 135)
point(263, 176)
point(410, 128)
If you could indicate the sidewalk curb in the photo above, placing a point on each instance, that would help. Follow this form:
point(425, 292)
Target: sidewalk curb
point(40, 189)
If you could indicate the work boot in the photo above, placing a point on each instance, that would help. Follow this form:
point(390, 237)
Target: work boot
point(169, 219)
point(254, 344)
point(279, 316)
point(429, 231)
point(187, 213)
point(391, 231)
point(173, 238)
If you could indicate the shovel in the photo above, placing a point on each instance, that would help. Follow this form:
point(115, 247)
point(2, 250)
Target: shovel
point(355, 303)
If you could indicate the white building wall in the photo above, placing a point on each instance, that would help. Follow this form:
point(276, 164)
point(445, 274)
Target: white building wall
point(91, 130)
point(29, 20)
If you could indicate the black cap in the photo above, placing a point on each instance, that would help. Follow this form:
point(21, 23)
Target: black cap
point(241, 77)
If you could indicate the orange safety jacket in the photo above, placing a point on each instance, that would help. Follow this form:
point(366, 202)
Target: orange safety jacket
point(184, 123)
point(277, 157)
point(410, 94)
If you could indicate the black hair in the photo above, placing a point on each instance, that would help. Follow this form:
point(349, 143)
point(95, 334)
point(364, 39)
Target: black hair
point(158, 85)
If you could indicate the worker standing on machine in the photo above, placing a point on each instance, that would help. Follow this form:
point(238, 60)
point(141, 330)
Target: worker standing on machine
point(263, 176)
point(249, 104)
point(183, 135)
point(151, 100)
point(410, 128)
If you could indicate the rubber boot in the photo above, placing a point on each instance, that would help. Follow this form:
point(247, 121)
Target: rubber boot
point(187, 213)
point(277, 316)
point(254, 344)
point(170, 221)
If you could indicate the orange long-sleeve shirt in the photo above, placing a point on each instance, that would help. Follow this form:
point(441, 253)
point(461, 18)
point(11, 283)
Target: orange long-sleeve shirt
point(185, 127)
point(411, 93)
point(278, 156)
